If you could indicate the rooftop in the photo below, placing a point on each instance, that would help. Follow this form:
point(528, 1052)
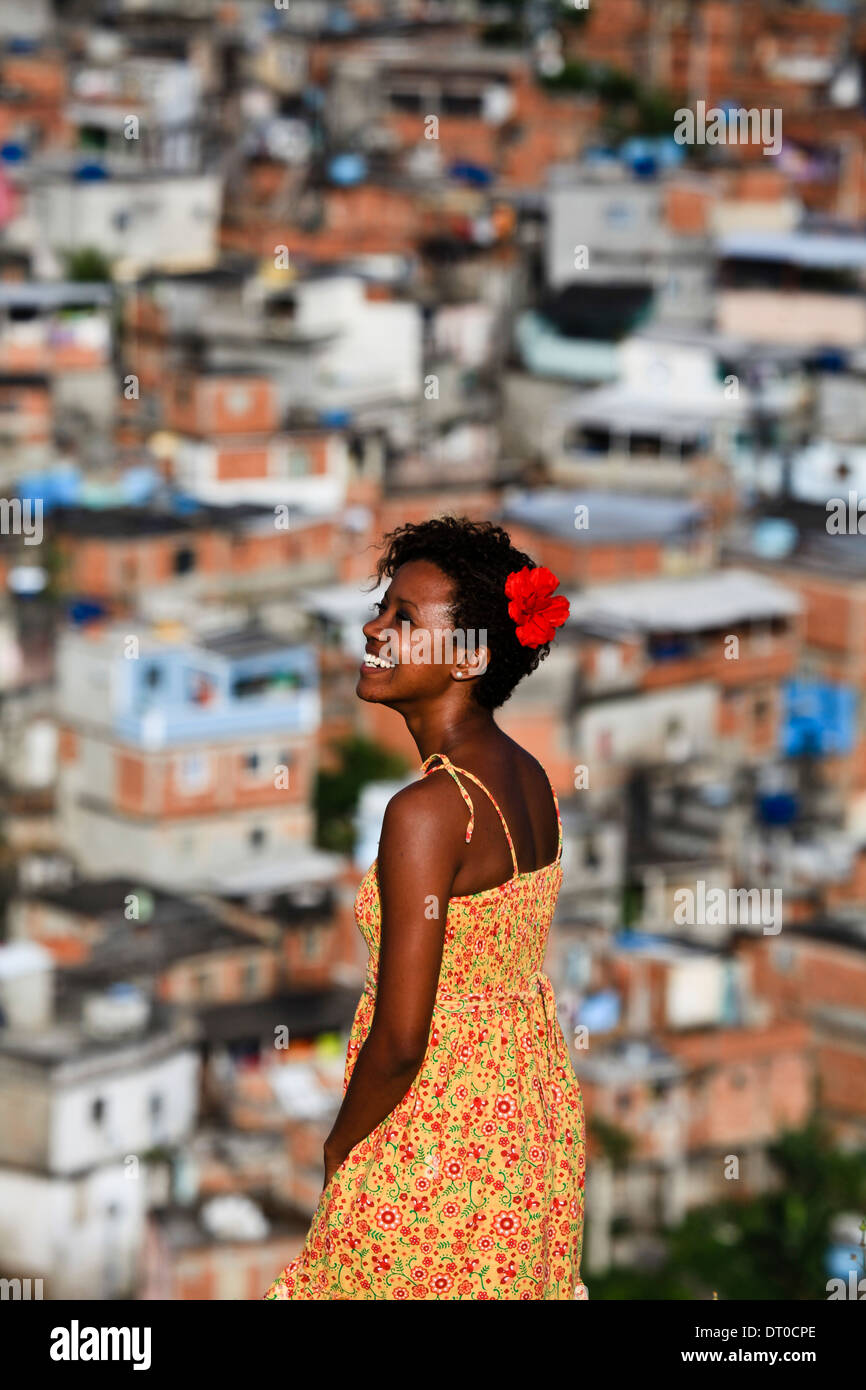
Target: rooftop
point(785, 531)
point(130, 522)
point(65, 1043)
point(238, 643)
point(815, 250)
point(711, 600)
point(303, 1012)
point(54, 294)
point(613, 516)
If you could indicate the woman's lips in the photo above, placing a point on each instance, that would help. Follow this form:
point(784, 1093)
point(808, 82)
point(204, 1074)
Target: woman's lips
point(371, 666)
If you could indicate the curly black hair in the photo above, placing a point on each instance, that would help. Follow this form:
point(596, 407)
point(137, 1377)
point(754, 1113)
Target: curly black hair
point(477, 557)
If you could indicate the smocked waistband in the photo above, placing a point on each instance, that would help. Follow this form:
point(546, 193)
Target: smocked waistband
point(450, 1003)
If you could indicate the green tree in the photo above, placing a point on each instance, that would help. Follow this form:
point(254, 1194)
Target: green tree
point(768, 1247)
point(87, 263)
point(358, 760)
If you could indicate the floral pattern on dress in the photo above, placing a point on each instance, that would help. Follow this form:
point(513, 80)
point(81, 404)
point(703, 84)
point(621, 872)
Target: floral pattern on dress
point(473, 1186)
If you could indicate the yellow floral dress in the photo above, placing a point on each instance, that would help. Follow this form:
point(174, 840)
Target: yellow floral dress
point(473, 1186)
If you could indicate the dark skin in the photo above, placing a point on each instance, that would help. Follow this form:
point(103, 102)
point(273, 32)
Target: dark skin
point(422, 848)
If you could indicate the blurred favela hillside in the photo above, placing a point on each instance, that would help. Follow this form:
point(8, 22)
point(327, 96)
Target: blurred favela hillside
point(275, 278)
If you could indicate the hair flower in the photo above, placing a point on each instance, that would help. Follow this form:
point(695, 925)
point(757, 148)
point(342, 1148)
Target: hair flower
point(533, 608)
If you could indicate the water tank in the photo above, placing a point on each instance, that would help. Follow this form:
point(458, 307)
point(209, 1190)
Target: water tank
point(120, 1011)
point(234, 1217)
point(26, 985)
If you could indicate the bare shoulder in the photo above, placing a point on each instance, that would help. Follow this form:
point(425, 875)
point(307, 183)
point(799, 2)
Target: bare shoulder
point(428, 804)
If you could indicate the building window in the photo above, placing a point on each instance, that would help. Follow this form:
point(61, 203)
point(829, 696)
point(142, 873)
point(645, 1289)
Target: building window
point(619, 215)
point(254, 766)
point(298, 463)
point(405, 101)
point(251, 977)
point(153, 677)
point(604, 743)
point(154, 1106)
point(257, 837)
point(311, 943)
point(591, 856)
point(273, 683)
point(98, 1110)
point(192, 773)
point(237, 400)
point(184, 560)
point(201, 688)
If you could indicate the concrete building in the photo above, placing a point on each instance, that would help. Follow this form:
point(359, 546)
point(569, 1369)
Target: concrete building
point(87, 1095)
point(192, 758)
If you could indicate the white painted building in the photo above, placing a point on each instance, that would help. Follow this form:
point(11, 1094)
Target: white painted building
point(146, 221)
point(84, 1098)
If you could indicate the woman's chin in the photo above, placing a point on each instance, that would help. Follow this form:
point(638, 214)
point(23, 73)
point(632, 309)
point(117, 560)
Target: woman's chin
point(368, 689)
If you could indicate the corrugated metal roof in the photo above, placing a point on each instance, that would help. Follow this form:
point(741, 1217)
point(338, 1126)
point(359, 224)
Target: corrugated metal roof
point(613, 516)
point(796, 248)
point(684, 605)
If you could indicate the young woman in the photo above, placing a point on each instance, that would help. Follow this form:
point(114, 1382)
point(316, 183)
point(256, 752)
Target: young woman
point(455, 1167)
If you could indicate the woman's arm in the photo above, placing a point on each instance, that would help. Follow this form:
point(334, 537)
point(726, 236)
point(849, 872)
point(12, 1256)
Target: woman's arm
point(418, 859)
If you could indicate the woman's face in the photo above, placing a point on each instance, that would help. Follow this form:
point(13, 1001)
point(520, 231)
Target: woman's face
point(413, 651)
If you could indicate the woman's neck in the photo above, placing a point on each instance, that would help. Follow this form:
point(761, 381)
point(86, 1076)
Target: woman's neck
point(437, 732)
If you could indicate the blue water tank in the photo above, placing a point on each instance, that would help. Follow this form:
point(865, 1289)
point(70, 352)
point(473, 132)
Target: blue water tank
point(475, 174)
point(91, 173)
point(347, 169)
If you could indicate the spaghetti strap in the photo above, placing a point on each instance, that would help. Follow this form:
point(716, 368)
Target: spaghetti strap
point(558, 817)
point(446, 765)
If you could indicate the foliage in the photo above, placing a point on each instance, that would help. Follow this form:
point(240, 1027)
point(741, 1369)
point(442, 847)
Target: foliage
point(503, 35)
point(631, 107)
point(358, 761)
point(87, 263)
point(772, 1246)
point(615, 1143)
point(573, 76)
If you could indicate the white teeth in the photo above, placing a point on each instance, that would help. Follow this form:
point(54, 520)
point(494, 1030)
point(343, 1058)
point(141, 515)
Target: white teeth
point(379, 662)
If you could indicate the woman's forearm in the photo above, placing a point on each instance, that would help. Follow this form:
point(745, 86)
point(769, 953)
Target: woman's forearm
point(379, 1081)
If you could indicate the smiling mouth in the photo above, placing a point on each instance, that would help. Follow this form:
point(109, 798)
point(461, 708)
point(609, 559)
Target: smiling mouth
point(378, 663)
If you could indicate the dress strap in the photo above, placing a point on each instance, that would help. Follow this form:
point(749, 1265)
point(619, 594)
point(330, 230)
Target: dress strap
point(558, 816)
point(446, 765)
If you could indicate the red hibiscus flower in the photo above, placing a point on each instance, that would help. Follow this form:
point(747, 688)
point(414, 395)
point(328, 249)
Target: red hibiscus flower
point(533, 608)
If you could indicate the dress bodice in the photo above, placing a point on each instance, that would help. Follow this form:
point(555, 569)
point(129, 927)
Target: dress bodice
point(495, 939)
